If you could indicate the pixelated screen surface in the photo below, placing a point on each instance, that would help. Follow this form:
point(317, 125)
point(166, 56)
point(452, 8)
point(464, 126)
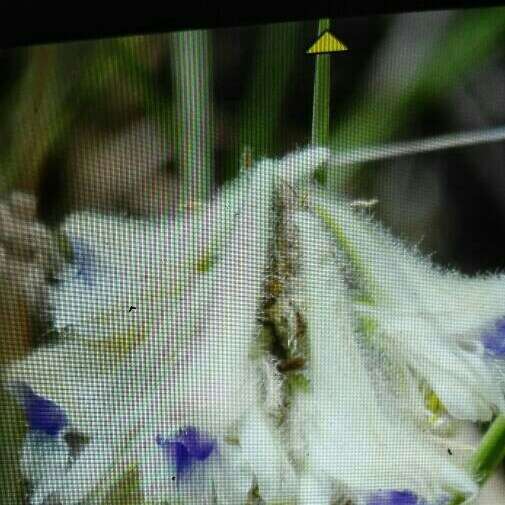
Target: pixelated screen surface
point(256, 265)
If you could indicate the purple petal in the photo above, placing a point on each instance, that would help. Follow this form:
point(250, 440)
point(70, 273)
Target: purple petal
point(84, 260)
point(180, 456)
point(186, 448)
point(395, 498)
point(42, 414)
point(198, 446)
point(494, 339)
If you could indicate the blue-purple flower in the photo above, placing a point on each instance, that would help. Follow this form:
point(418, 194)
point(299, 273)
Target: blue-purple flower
point(395, 497)
point(494, 340)
point(42, 414)
point(44, 453)
point(186, 449)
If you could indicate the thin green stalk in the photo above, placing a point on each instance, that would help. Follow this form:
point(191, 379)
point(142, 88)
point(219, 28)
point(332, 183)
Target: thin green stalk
point(191, 55)
point(321, 104)
point(489, 455)
point(320, 136)
point(260, 113)
point(491, 451)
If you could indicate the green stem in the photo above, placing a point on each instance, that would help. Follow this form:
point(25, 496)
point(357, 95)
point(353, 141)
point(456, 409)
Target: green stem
point(320, 135)
point(491, 451)
point(260, 113)
point(489, 455)
point(321, 104)
point(193, 113)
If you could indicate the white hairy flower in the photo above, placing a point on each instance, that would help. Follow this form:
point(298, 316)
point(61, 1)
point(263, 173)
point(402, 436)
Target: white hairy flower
point(157, 366)
point(180, 360)
point(440, 330)
point(348, 428)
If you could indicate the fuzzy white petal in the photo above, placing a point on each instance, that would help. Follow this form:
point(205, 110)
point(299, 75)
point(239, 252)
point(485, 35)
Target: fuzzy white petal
point(314, 490)
point(214, 384)
point(43, 459)
point(430, 320)
point(79, 379)
point(264, 450)
point(217, 312)
point(350, 431)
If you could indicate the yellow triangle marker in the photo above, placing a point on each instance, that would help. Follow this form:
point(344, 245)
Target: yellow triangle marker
point(326, 43)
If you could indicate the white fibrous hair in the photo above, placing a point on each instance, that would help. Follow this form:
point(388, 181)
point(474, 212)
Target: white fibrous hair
point(430, 322)
point(344, 411)
point(273, 345)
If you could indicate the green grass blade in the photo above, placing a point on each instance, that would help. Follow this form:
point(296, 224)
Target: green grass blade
point(191, 65)
point(321, 104)
point(275, 59)
point(489, 455)
point(491, 451)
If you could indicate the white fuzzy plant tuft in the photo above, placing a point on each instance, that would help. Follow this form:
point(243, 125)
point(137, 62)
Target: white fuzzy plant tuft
point(283, 347)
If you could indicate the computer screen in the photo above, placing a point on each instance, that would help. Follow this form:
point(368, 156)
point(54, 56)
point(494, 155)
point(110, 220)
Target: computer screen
point(256, 264)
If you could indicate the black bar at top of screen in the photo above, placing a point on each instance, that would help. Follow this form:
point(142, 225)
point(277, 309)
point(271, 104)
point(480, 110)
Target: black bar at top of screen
point(81, 22)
